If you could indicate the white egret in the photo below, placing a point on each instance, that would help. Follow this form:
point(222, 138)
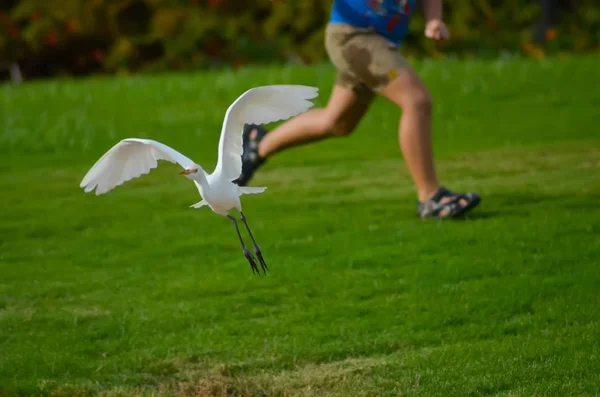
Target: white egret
point(133, 157)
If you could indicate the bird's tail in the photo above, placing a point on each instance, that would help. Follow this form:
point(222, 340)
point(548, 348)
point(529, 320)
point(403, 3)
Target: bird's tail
point(199, 204)
point(251, 190)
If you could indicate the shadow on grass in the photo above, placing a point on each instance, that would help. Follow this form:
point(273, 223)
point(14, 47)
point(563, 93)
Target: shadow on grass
point(527, 204)
point(476, 215)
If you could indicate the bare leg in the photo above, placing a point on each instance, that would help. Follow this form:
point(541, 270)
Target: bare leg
point(256, 248)
point(339, 118)
point(410, 93)
point(247, 253)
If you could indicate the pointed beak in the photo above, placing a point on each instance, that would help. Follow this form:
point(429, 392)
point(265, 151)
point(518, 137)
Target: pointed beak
point(186, 172)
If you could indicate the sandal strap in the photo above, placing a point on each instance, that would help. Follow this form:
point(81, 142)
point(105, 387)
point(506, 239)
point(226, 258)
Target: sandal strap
point(250, 145)
point(260, 133)
point(441, 193)
point(433, 206)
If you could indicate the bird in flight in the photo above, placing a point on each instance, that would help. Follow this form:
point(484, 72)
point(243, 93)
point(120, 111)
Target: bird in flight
point(133, 157)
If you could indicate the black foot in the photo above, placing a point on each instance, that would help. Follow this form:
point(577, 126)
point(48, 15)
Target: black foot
point(251, 161)
point(252, 261)
point(263, 264)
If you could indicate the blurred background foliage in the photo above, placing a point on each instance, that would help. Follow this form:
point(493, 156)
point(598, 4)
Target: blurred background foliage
point(78, 37)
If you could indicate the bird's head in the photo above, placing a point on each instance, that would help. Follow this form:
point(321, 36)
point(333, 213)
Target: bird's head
point(191, 171)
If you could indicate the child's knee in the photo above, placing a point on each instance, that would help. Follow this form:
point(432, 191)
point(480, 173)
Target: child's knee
point(339, 127)
point(420, 99)
point(409, 92)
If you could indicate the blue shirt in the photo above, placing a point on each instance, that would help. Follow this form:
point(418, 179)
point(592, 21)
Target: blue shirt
point(390, 18)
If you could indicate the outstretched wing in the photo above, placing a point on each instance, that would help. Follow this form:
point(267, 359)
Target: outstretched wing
point(128, 159)
point(260, 105)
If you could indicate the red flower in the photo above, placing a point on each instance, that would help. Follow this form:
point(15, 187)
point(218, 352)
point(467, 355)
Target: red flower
point(98, 55)
point(51, 39)
point(70, 26)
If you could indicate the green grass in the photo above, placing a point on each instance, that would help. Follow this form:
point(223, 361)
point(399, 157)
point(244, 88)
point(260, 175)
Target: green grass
point(135, 293)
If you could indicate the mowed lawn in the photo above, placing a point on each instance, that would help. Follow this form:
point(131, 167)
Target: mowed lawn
point(134, 293)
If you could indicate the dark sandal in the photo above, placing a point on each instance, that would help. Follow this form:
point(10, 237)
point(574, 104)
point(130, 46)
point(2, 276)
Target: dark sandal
point(434, 207)
point(251, 161)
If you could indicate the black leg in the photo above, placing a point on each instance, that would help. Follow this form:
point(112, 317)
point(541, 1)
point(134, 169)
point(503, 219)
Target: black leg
point(256, 249)
point(247, 253)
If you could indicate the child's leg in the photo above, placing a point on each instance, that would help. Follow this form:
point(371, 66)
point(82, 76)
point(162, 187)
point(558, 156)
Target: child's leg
point(411, 95)
point(339, 118)
point(376, 62)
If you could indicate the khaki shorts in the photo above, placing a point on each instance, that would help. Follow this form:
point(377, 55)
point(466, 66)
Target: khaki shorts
point(365, 60)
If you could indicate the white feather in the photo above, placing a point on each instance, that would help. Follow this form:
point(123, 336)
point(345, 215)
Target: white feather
point(251, 189)
point(128, 159)
point(260, 105)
